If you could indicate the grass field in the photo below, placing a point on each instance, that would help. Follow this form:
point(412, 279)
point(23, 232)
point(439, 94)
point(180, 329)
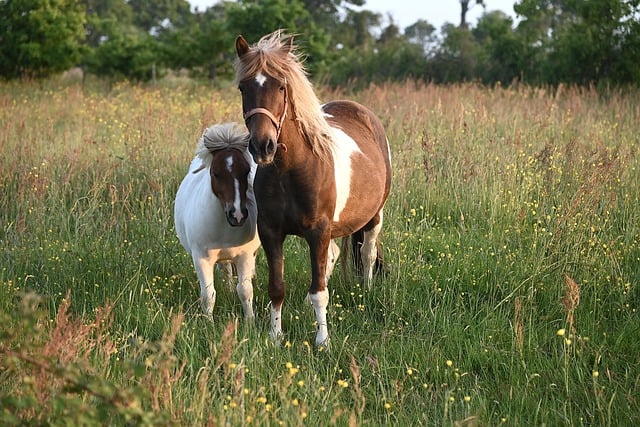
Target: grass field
point(512, 235)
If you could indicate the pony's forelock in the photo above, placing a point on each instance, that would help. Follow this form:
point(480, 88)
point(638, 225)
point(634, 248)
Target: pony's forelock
point(217, 137)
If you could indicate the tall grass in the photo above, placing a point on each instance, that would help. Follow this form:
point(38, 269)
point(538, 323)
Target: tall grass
point(512, 234)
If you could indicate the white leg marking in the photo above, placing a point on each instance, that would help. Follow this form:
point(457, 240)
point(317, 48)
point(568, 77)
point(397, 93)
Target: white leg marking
point(320, 301)
point(370, 251)
point(276, 324)
point(204, 270)
point(245, 266)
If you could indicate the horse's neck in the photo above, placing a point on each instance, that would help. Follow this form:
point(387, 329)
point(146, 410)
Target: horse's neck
point(294, 150)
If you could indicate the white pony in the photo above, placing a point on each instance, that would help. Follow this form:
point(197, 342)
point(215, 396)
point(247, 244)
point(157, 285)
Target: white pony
point(215, 211)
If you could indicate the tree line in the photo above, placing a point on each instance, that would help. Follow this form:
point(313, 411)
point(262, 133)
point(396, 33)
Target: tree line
point(554, 41)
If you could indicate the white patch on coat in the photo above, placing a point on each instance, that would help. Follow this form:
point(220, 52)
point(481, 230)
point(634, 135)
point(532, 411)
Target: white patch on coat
point(343, 150)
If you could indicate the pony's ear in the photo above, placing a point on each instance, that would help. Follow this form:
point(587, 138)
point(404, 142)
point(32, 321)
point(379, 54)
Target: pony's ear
point(242, 47)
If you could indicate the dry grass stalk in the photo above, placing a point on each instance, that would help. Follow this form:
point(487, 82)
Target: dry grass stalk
point(518, 324)
point(357, 391)
point(570, 301)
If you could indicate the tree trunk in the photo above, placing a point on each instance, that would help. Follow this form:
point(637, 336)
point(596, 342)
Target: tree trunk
point(464, 8)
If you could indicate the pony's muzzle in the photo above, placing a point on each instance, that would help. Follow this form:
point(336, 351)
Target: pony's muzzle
point(237, 217)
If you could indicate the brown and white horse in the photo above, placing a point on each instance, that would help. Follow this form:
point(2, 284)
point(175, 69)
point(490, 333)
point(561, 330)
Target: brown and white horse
point(215, 211)
point(324, 171)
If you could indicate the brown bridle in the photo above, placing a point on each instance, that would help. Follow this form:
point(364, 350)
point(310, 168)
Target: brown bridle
point(276, 122)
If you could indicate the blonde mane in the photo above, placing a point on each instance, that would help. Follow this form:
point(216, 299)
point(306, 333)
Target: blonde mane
point(276, 55)
point(217, 137)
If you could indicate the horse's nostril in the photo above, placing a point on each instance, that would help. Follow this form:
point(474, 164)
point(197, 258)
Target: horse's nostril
point(270, 147)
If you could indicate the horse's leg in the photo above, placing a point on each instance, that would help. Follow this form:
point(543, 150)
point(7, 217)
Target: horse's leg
point(204, 271)
point(332, 257)
point(245, 266)
point(272, 243)
point(319, 243)
point(369, 250)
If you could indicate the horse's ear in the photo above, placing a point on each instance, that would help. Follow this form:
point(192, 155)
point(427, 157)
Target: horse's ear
point(242, 47)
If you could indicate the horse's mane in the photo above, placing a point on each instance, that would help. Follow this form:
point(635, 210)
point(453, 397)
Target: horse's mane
point(217, 137)
point(276, 55)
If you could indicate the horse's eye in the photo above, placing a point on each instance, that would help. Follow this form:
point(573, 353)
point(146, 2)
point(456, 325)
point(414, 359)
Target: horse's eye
point(282, 88)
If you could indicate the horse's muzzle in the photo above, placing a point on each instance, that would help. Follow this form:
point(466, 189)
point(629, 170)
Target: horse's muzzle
point(263, 154)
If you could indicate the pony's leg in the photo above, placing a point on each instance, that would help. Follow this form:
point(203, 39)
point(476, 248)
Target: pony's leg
point(332, 257)
point(204, 271)
point(370, 250)
point(318, 293)
point(245, 265)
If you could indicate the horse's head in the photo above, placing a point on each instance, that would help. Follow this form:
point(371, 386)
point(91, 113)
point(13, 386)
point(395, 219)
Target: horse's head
point(264, 104)
point(230, 172)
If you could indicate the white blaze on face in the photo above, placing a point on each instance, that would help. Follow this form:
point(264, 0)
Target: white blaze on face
point(237, 211)
point(343, 149)
point(260, 79)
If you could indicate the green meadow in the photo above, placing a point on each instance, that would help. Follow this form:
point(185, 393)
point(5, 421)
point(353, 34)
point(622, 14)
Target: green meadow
point(511, 236)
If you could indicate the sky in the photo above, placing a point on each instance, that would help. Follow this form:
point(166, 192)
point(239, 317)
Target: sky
point(407, 12)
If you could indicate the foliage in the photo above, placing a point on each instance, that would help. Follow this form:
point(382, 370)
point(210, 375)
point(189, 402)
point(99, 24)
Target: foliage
point(39, 38)
point(125, 53)
point(511, 234)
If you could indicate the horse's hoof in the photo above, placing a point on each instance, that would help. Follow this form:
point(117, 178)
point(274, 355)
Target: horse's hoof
point(276, 338)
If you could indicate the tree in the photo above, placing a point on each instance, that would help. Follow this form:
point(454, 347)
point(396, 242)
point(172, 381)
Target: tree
point(128, 53)
point(40, 37)
point(500, 48)
point(464, 9)
point(202, 46)
point(423, 34)
point(456, 58)
point(594, 46)
point(580, 41)
point(155, 14)
point(256, 18)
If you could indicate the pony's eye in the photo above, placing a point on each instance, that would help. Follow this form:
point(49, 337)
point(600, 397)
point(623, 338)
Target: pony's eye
point(282, 88)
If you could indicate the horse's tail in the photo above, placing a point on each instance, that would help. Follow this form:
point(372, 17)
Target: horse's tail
point(353, 255)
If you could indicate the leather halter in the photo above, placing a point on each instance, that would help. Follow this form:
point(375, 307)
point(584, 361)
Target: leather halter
point(276, 122)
